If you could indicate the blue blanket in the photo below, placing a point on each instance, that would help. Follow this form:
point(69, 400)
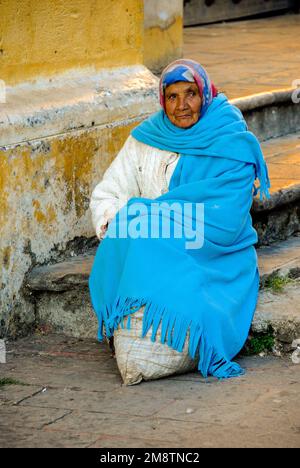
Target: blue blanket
point(209, 287)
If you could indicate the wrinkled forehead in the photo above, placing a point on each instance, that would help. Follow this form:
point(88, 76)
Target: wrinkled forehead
point(177, 73)
point(181, 87)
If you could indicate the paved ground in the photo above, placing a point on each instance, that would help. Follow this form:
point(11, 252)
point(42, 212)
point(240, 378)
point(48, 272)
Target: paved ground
point(247, 57)
point(73, 397)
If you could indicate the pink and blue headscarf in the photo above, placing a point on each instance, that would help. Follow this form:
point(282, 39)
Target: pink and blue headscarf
point(191, 72)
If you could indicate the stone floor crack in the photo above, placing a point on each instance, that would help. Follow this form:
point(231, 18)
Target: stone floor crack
point(57, 419)
point(28, 397)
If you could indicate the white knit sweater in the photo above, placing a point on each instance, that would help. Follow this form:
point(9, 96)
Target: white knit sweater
point(138, 170)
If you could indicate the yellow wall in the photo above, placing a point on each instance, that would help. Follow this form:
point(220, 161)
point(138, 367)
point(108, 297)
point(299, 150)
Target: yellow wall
point(49, 166)
point(162, 46)
point(45, 191)
point(42, 38)
point(163, 32)
point(42, 184)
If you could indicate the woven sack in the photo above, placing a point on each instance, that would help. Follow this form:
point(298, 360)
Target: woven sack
point(140, 359)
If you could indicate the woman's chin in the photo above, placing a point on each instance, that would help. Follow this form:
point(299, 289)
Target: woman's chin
point(184, 123)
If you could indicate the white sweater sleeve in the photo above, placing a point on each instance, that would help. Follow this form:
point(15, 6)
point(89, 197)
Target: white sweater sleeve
point(119, 184)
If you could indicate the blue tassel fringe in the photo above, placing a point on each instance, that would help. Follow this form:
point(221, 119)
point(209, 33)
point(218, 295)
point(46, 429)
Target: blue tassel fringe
point(173, 332)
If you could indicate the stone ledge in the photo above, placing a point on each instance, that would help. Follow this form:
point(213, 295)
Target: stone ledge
point(63, 303)
point(85, 99)
point(283, 159)
point(76, 100)
point(270, 114)
point(279, 259)
point(62, 276)
point(259, 100)
point(277, 199)
point(280, 313)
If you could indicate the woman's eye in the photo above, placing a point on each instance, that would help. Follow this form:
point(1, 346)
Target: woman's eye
point(192, 93)
point(172, 97)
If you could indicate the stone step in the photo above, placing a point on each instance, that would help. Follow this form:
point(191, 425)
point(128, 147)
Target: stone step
point(282, 259)
point(63, 303)
point(283, 159)
point(270, 114)
point(278, 315)
point(279, 217)
point(63, 276)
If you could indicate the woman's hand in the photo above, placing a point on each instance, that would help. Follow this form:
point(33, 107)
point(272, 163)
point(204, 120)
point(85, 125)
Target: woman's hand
point(104, 228)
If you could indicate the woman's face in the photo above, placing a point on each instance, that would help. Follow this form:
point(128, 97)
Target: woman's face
point(183, 103)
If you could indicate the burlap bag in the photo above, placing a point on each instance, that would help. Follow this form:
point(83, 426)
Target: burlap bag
point(140, 359)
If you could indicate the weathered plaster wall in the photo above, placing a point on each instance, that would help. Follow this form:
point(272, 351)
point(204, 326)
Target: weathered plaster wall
point(45, 187)
point(66, 115)
point(43, 38)
point(163, 24)
point(46, 182)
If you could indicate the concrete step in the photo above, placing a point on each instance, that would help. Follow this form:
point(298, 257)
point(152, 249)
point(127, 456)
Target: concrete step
point(278, 316)
point(63, 303)
point(279, 217)
point(281, 259)
point(283, 158)
point(271, 114)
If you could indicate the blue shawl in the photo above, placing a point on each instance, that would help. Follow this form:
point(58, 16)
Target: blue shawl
point(210, 291)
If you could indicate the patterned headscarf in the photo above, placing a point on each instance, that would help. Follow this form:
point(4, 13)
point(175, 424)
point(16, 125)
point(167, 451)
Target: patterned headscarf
point(192, 72)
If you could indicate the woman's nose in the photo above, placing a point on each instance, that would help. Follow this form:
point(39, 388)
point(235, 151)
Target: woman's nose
point(181, 103)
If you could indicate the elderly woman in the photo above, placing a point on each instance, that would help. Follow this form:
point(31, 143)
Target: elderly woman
point(193, 163)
